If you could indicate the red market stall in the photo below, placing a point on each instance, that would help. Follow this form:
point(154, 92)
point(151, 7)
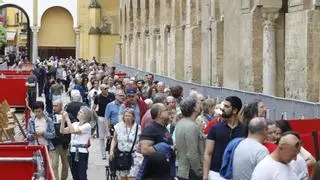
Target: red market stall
point(305, 127)
point(13, 87)
point(23, 162)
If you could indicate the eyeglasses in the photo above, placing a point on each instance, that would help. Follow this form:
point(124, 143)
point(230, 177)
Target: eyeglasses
point(121, 95)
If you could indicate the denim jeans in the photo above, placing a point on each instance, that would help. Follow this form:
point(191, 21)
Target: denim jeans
point(79, 169)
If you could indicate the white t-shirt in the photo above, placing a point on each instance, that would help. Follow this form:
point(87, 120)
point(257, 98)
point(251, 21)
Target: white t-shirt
point(300, 167)
point(40, 127)
point(269, 169)
point(91, 95)
point(82, 138)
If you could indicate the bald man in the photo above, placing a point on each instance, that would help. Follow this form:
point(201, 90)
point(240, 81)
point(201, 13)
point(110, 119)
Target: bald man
point(250, 151)
point(276, 165)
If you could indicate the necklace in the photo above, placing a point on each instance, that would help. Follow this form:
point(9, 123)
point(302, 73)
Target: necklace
point(128, 133)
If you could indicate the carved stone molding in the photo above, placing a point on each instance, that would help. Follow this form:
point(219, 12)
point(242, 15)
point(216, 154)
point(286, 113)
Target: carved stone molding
point(138, 34)
point(183, 27)
point(156, 30)
point(35, 29)
point(269, 20)
point(167, 28)
point(130, 36)
point(77, 30)
point(146, 33)
point(94, 4)
point(94, 30)
point(125, 37)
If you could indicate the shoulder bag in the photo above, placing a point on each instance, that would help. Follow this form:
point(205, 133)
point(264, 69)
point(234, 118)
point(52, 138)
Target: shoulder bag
point(124, 160)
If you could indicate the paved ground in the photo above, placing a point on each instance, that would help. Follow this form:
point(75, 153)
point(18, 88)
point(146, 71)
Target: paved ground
point(96, 166)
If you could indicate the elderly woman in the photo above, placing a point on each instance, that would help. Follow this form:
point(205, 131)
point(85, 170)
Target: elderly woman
point(80, 134)
point(207, 114)
point(124, 139)
point(40, 127)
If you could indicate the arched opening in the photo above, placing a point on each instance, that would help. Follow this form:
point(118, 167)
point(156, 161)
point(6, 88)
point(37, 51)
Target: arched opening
point(18, 33)
point(56, 35)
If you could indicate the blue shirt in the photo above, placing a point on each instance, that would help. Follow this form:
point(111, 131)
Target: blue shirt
point(222, 134)
point(136, 109)
point(112, 111)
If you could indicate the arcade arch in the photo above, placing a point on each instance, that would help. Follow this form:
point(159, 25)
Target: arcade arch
point(56, 34)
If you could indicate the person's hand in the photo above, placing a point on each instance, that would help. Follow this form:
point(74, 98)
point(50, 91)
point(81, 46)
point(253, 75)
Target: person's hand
point(111, 155)
point(38, 134)
point(64, 114)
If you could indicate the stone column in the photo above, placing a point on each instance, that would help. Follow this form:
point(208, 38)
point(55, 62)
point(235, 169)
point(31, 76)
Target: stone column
point(127, 47)
point(77, 32)
point(151, 64)
point(269, 53)
point(35, 30)
point(147, 51)
point(139, 51)
point(132, 50)
point(159, 51)
point(118, 52)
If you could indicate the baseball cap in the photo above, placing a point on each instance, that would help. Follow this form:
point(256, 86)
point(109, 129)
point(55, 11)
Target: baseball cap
point(131, 91)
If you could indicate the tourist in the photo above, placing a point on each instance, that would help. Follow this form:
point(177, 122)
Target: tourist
point(276, 165)
point(250, 151)
point(60, 142)
point(189, 141)
point(220, 135)
point(80, 135)
point(125, 139)
point(40, 129)
point(99, 108)
point(156, 147)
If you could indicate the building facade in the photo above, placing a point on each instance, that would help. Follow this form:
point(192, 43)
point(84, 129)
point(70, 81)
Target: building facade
point(78, 28)
point(268, 46)
point(15, 23)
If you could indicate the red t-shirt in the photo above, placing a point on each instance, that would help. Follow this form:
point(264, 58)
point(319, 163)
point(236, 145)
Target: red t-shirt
point(270, 146)
point(212, 123)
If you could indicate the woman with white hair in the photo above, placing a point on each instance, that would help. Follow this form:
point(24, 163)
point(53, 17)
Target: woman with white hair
point(80, 134)
point(125, 139)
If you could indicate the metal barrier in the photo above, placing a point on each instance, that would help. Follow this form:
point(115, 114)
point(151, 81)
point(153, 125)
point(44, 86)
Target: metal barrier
point(277, 107)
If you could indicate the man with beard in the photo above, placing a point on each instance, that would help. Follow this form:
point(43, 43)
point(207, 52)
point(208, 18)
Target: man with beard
point(220, 135)
point(190, 142)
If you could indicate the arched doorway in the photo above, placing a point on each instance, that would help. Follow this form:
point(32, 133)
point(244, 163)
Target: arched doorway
point(56, 35)
point(18, 31)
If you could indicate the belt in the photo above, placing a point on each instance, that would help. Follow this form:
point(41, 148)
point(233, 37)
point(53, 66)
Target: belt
point(77, 146)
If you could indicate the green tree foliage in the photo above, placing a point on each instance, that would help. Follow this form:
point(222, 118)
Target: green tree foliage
point(2, 36)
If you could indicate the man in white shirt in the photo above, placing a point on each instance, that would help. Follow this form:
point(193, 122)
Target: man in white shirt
point(276, 165)
point(94, 92)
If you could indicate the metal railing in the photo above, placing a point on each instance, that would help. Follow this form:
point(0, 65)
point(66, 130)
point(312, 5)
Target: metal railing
point(277, 107)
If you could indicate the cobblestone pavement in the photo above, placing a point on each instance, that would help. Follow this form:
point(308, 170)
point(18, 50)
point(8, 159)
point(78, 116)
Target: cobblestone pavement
point(96, 166)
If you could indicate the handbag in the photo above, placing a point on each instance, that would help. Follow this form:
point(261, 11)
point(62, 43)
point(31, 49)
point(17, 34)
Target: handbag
point(124, 160)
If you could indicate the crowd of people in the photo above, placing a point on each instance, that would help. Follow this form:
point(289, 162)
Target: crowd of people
point(151, 131)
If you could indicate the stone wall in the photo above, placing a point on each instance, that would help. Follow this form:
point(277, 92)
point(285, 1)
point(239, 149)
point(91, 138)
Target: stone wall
point(268, 46)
